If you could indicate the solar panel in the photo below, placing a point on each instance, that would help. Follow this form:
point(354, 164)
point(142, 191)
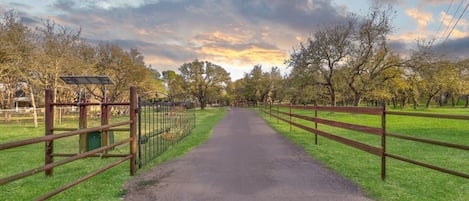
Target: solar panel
point(85, 79)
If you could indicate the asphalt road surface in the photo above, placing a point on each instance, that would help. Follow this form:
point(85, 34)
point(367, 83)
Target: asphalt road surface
point(243, 160)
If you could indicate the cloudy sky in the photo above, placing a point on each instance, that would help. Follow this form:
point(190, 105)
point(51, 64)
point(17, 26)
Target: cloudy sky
point(238, 34)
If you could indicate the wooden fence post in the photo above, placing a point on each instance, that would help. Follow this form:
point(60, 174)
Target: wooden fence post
point(315, 123)
point(290, 117)
point(104, 121)
point(133, 129)
point(49, 120)
point(83, 123)
point(270, 111)
point(383, 142)
point(278, 115)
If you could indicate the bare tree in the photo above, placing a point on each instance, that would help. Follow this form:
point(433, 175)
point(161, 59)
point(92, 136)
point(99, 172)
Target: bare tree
point(370, 56)
point(15, 61)
point(324, 54)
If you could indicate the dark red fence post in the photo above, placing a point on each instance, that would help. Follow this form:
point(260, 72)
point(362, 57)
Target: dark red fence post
point(270, 111)
point(278, 115)
point(133, 129)
point(83, 123)
point(49, 120)
point(104, 121)
point(315, 124)
point(290, 117)
point(383, 142)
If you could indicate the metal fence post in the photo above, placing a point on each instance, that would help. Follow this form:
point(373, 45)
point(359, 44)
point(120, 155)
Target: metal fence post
point(133, 129)
point(49, 120)
point(139, 132)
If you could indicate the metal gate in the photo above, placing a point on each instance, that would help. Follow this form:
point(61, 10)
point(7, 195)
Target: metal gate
point(160, 126)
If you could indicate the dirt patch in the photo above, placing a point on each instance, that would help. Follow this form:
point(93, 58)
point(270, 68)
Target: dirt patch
point(137, 187)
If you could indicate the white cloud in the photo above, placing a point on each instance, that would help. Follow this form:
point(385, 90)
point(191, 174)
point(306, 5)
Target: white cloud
point(235, 33)
point(448, 21)
point(422, 18)
point(111, 4)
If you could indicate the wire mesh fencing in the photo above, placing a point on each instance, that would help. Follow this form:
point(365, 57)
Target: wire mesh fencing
point(161, 125)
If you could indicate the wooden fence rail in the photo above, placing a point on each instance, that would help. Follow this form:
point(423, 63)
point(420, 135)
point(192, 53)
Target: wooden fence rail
point(49, 138)
point(276, 112)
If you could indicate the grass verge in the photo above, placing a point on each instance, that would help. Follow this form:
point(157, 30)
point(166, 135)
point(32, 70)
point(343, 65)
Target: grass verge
point(105, 186)
point(404, 181)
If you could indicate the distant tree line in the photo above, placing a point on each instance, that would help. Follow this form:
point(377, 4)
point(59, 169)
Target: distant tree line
point(351, 63)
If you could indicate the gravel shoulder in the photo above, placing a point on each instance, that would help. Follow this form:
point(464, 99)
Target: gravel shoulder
point(244, 159)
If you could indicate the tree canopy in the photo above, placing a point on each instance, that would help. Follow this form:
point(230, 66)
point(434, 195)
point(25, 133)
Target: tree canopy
point(204, 80)
point(348, 63)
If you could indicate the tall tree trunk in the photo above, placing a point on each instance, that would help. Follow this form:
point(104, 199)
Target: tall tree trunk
point(333, 98)
point(440, 101)
point(429, 100)
point(55, 88)
point(357, 99)
point(403, 102)
point(33, 104)
point(7, 116)
point(467, 101)
point(9, 105)
point(202, 102)
point(453, 102)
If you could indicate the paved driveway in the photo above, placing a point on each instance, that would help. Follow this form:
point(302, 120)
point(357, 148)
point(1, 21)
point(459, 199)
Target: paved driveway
point(243, 160)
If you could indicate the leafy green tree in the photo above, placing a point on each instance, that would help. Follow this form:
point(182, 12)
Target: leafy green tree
point(434, 78)
point(400, 90)
point(463, 84)
point(239, 91)
point(126, 68)
point(202, 77)
point(258, 81)
point(276, 84)
point(303, 85)
point(175, 86)
point(433, 74)
point(260, 86)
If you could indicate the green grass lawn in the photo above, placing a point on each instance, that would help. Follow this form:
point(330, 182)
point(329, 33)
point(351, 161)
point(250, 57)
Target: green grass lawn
point(106, 186)
point(404, 181)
